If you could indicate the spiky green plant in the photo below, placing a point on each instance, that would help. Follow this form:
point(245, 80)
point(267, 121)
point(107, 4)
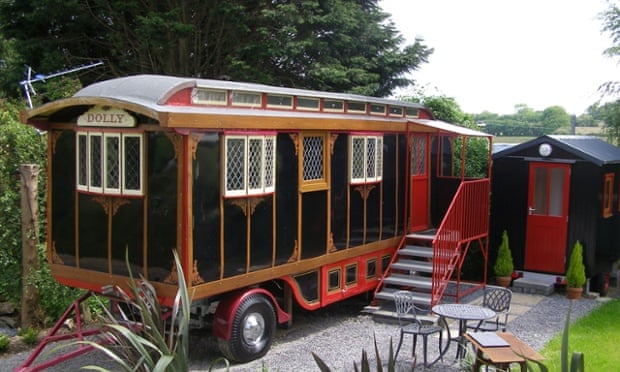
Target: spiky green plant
point(365, 363)
point(152, 344)
point(577, 359)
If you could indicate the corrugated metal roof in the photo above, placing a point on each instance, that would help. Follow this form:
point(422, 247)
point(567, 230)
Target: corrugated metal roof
point(592, 147)
point(589, 148)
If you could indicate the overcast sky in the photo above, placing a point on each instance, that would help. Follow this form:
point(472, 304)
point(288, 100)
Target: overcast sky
point(493, 54)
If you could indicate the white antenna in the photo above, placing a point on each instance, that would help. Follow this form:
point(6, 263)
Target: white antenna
point(27, 84)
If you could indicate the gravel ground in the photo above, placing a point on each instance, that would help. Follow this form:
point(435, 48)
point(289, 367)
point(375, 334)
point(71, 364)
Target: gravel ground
point(338, 334)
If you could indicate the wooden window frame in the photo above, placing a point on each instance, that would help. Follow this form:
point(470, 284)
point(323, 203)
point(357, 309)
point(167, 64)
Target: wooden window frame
point(608, 195)
point(84, 159)
point(197, 99)
point(355, 179)
point(314, 184)
point(267, 165)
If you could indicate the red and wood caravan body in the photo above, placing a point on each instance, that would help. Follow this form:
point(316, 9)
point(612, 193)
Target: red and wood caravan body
point(267, 193)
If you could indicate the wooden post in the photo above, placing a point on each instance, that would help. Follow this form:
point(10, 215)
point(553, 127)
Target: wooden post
point(31, 313)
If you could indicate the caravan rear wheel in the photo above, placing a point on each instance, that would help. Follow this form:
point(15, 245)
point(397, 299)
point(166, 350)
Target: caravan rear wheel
point(253, 329)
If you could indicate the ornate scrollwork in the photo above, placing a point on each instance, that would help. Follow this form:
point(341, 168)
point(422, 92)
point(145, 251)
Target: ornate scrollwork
point(295, 139)
point(364, 190)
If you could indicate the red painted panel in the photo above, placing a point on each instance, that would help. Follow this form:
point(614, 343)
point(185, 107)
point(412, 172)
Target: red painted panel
point(545, 246)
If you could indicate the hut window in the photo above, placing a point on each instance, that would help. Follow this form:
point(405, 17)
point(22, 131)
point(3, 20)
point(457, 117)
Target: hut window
point(366, 159)
point(608, 195)
point(250, 165)
point(109, 163)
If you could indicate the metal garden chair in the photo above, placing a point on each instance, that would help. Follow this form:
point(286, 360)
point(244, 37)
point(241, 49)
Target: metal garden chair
point(410, 323)
point(497, 299)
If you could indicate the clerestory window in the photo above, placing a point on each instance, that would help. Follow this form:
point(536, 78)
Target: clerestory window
point(249, 165)
point(109, 163)
point(366, 160)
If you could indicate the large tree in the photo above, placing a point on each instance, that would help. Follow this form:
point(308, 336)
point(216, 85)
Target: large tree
point(335, 45)
point(611, 25)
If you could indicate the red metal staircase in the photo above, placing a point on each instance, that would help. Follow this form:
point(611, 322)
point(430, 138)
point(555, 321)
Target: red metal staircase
point(427, 261)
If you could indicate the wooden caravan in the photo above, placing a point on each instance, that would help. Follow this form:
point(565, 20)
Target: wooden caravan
point(268, 194)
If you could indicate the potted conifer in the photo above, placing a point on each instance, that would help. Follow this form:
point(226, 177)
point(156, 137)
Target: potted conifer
point(576, 273)
point(503, 267)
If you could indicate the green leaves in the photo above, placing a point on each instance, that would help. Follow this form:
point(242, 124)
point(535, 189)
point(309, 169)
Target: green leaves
point(333, 45)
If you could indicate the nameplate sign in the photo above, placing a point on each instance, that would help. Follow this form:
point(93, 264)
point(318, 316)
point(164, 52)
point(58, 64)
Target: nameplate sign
point(100, 116)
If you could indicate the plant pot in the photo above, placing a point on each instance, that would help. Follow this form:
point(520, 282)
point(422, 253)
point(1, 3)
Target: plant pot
point(573, 293)
point(503, 281)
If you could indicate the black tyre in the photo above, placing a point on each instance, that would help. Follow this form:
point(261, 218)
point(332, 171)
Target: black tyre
point(253, 329)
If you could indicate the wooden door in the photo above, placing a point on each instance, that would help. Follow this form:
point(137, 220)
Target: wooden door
point(418, 171)
point(547, 217)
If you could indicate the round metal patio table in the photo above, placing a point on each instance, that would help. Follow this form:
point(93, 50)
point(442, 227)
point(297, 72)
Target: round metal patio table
point(462, 313)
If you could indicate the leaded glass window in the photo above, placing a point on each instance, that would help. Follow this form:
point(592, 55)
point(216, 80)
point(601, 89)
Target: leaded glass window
point(132, 164)
point(250, 165)
point(313, 158)
point(418, 156)
point(82, 161)
point(95, 154)
point(109, 163)
point(366, 159)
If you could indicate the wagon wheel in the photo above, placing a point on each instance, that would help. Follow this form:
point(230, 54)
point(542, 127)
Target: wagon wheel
point(253, 329)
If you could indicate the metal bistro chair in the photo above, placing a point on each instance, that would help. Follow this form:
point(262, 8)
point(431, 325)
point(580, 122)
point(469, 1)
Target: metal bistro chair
point(410, 323)
point(497, 299)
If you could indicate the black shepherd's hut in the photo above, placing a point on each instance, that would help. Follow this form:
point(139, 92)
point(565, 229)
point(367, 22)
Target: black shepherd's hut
point(551, 191)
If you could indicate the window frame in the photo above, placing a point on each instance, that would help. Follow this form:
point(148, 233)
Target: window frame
point(267, 171)
point(355, 179)
point(608, 195)
point(313, 184)
point(84, 161)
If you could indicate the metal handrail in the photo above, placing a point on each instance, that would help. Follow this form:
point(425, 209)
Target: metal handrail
point(466, 220)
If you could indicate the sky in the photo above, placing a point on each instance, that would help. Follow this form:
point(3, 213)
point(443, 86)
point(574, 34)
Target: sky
point(491, 55)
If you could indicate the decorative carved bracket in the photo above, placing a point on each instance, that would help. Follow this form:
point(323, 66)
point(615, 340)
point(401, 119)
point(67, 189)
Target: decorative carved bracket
point(54, 257)
point(364, 190)
point(247, 205)
point(295, 139)
point(295, 255)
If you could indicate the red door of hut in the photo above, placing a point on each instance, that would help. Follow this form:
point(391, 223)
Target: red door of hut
point(547, 217)
point(418, 164)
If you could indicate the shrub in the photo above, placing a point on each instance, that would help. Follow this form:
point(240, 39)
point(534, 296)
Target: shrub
point(576, 272)
point(5, 342)
point(503, 264)
point(29, 335)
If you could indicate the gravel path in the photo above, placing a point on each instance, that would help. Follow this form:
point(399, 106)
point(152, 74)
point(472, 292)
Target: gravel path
point(338, 334)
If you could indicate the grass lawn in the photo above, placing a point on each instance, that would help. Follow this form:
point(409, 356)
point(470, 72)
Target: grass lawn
point(596, 335)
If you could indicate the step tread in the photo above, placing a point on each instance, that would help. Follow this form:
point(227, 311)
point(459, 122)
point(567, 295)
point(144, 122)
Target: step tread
point(413, 265)
point(409, 281)
point(417, 251)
